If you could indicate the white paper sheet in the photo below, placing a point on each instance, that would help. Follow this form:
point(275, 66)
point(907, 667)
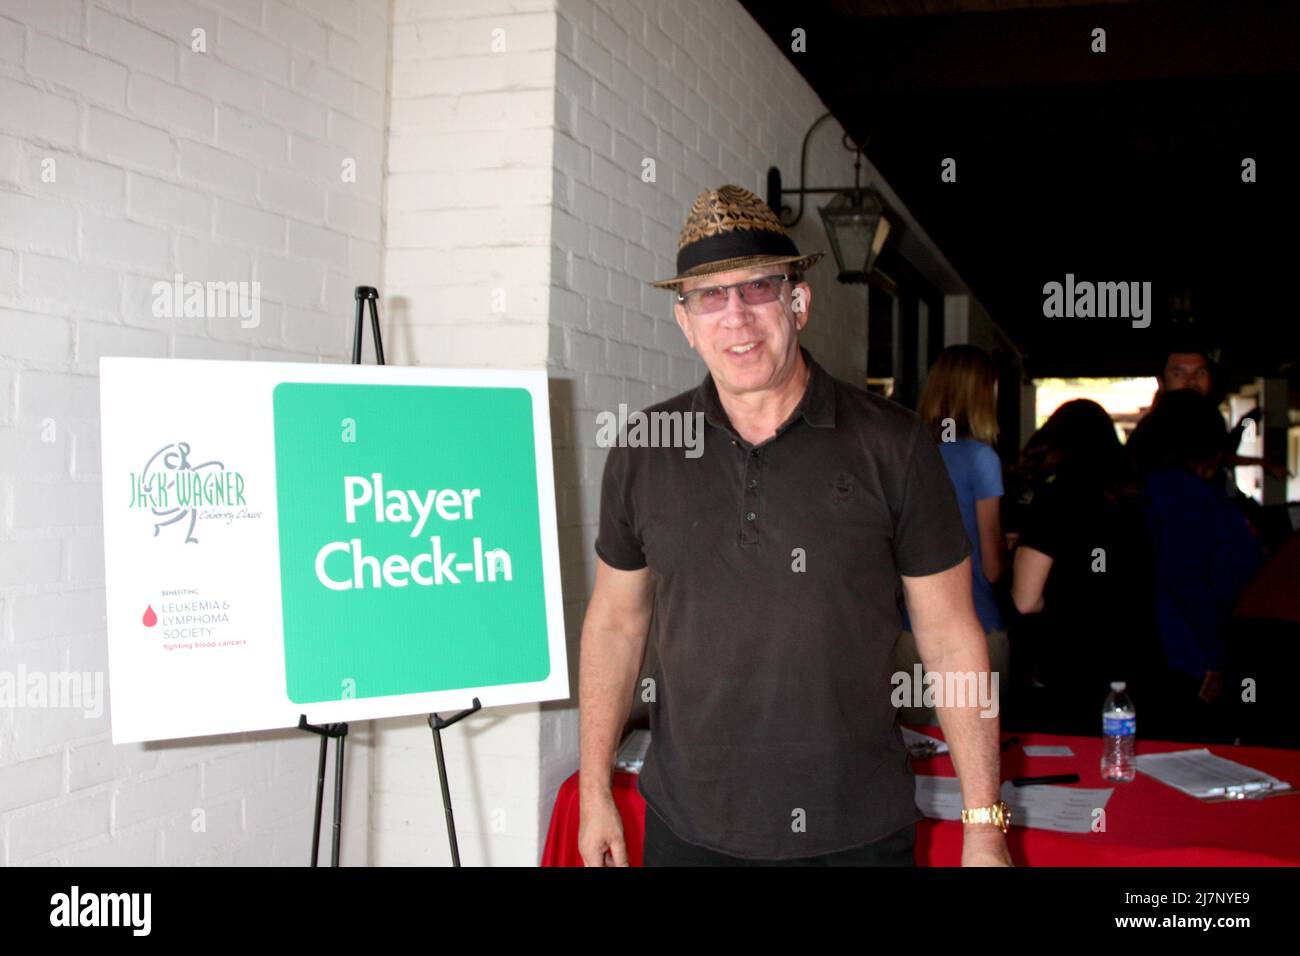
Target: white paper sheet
point(1041, 750)
point(1043, 807)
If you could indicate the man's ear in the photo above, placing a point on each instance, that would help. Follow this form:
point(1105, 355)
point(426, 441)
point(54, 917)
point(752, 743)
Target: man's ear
point(684, 323)
point(801, 304)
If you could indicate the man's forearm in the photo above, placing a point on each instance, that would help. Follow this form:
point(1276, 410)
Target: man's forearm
point(971, 731)
point(953, 646)
point(607, 671)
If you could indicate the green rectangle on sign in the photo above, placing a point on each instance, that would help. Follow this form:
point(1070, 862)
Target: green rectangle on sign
point(436, 582)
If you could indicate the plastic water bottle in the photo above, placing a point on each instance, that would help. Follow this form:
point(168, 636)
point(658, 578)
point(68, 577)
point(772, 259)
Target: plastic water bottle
point(1119, 735)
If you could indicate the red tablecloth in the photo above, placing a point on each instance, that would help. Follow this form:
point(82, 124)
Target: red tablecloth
point(1147, 822)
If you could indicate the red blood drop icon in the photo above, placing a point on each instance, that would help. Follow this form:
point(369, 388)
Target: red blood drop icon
point(150, 618)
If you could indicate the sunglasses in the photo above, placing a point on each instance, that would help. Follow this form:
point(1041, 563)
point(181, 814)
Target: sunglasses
point(714, 298)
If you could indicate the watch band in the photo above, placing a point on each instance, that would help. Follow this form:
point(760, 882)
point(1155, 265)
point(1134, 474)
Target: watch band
point(998, 814)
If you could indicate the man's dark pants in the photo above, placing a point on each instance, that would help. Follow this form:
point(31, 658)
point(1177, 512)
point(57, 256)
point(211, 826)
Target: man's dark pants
point(664, 848)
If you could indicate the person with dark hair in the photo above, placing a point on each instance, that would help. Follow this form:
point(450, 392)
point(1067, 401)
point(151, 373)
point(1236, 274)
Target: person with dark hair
point(1188, 365)
point(1083, 572)
point(1205, 552)
point(1186, 431)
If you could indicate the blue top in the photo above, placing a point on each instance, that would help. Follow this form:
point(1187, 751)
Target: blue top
point(976, 473)
point(1205, 554)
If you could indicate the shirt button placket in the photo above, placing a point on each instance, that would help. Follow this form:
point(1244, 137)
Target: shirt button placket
point(750, 507)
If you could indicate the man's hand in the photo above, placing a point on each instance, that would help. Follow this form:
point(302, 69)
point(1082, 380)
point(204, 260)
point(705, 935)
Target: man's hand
point(984, 845)
point(1212, 686)
point(613, 647)
point(600, 831)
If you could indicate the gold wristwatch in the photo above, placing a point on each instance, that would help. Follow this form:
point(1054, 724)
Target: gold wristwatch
point(999, 814)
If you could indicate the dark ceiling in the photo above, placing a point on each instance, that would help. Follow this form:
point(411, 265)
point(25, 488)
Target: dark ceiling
point(1115, 166)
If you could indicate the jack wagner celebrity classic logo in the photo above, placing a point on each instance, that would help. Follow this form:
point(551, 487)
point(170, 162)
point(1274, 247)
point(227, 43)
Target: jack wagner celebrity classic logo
point(178, 491)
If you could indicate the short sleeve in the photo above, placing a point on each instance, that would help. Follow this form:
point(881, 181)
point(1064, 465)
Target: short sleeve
point(986, 473)
point(1045, 521)
point(617, 541)
point(928, 533)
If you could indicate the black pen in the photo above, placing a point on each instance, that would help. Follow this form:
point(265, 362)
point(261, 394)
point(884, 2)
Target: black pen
point(1010, 742)
point(1051, 778)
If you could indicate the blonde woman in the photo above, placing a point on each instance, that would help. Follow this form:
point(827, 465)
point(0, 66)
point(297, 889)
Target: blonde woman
point(959, 404)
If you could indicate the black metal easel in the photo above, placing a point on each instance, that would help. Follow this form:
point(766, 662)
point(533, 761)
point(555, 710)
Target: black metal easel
point(364, 294)
point(436, 724)
point(338, 732)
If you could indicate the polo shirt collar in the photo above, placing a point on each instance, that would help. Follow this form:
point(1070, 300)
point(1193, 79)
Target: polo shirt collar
point(817, 406)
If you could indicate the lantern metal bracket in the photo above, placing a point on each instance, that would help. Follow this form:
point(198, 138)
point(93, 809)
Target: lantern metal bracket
point(775, 190)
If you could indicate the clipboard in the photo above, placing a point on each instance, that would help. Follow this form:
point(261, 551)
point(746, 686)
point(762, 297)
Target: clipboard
point(1249, 790)
point(1195, 771)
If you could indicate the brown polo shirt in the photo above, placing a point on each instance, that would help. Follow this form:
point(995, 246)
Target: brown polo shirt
point(777, 607)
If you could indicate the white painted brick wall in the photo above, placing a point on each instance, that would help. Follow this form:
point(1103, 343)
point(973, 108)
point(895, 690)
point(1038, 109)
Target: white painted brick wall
point(222, 165)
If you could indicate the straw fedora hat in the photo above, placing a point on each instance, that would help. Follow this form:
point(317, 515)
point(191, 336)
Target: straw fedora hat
point(731, 228)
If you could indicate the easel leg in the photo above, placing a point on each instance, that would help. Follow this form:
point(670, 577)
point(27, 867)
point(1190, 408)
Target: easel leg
point(436, 724)
point(446, 798)
point(338, 731)
point(320, 799)
point(338, 796)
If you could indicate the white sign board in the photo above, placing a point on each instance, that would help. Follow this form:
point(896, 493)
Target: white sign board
point(340, 542)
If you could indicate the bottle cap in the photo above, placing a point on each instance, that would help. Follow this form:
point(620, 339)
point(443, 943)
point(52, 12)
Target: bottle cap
point(1118, 685)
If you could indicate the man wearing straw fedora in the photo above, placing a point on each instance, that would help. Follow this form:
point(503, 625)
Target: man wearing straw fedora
point(771, 566)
